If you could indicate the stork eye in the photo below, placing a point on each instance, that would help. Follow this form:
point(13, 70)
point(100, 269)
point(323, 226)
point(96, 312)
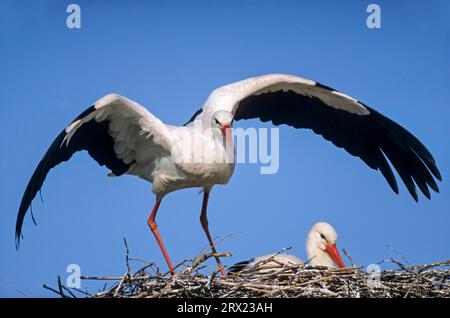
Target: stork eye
point(217, 122)
point(323, 236)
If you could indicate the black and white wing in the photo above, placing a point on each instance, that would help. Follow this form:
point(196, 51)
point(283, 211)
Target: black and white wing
point(115, 131)
point(341, 119)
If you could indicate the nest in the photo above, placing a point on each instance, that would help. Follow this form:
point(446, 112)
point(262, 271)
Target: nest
point(282, 280)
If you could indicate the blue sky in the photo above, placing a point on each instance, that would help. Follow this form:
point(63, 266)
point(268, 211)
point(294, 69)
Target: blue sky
point(168, 56)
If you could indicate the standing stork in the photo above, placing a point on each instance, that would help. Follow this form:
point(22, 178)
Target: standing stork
point(126, 138)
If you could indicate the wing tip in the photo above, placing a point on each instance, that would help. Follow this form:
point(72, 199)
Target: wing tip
point(437, 174)
point(18, 232)
point(18, 237)
point(414, 195)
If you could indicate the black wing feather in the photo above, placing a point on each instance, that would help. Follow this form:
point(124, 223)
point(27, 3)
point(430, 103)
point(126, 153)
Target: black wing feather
point(370, 137)
point(238, 267)
point(92, 137)
point(198, 112)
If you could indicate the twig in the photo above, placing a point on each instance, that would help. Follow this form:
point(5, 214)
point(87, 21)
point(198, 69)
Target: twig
point(349, 257)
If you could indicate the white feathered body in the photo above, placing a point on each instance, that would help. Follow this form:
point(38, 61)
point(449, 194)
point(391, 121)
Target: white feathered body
point(196, 159)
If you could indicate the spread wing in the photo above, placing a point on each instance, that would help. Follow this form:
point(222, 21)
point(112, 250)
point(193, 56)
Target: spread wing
point(115, 131)
point(339, 118)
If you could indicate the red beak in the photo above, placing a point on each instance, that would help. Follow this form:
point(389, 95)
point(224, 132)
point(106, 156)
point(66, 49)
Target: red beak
point(226, 133)
point(225, 130)
point(334, 254)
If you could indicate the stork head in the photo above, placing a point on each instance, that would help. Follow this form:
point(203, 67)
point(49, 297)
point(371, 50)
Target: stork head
point(222, 120)
point(321, 246)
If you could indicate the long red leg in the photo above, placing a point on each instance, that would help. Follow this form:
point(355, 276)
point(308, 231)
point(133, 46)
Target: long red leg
point(204, 222)
point(154, 227)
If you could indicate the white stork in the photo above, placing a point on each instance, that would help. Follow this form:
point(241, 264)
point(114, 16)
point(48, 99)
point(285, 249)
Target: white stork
point(320, 249)
point(126, 138)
